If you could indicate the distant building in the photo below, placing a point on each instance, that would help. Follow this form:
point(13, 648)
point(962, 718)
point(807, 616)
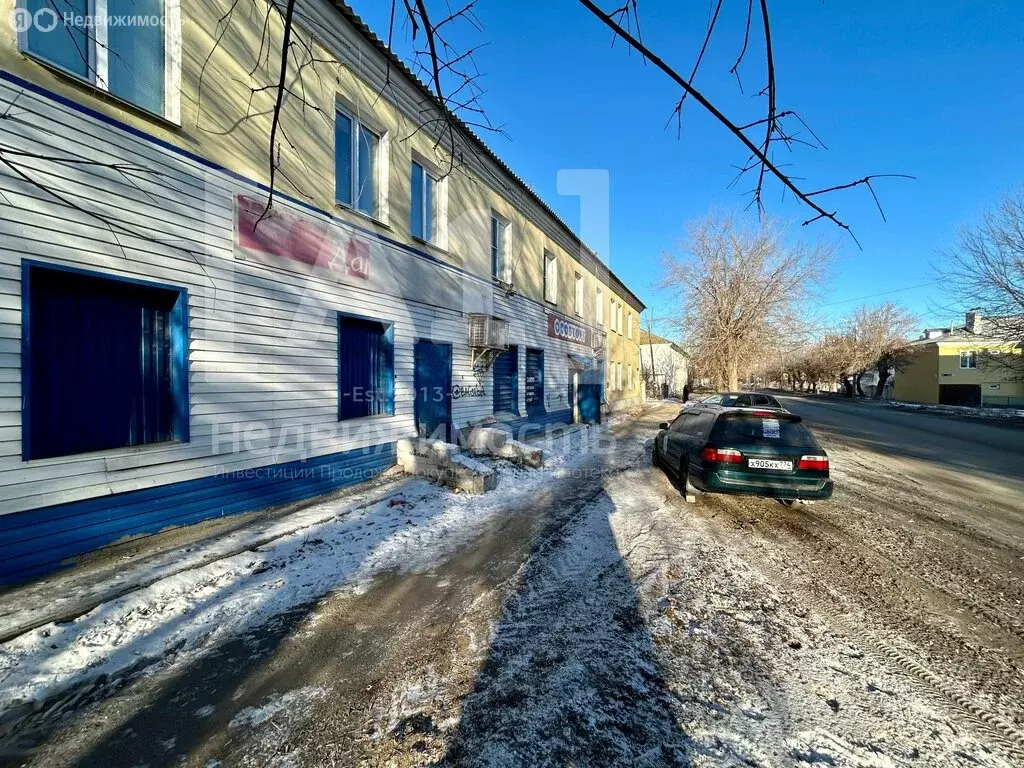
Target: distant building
point(972, 365)
point(669, 367)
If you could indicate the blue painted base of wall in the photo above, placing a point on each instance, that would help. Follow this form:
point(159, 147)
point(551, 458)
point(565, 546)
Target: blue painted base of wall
point(536, 424)
point(43, 540)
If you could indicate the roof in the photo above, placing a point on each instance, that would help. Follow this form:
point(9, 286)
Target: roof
point(650, 338)
point(353, 18)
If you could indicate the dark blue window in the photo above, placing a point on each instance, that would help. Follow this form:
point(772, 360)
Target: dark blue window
point(366, 368)
point(66, 46)
point(104, 362)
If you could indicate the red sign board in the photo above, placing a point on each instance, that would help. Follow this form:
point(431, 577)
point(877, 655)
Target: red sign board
point(309, 241)
point(560, 327)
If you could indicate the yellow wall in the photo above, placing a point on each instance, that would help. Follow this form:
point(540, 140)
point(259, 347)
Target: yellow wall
point(986, 375)
point(918, 382)
point(231, 127)
point(937, 364)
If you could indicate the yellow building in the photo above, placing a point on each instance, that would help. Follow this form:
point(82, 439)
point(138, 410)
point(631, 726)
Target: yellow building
point(962, 366)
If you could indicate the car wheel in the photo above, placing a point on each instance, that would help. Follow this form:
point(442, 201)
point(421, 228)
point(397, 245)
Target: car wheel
point(656, 454)
point(689, 491)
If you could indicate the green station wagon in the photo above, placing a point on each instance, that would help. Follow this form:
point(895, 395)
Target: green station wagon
point(753, 452)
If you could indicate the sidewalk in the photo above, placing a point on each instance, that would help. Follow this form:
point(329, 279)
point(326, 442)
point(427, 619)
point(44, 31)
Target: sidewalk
point(117, 570)
point(121, 569)
point(183, 590)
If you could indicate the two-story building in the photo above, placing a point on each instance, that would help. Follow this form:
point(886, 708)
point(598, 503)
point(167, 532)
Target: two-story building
point(172, 349)
point(970, 366)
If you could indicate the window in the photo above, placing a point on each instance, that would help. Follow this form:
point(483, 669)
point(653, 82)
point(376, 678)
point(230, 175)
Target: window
point(599, 307)
point(355, 163)
point(629, 325)
point(629, 377)
point(421, 222)
point(749, 429)
point(611, 314)
point(618, 318)
point(499, 248)
point(578, 304)
point(969, 359)
point(125, 60)
point(105, 362)
point(618, 375)
point(366, 368)
point(550, 278)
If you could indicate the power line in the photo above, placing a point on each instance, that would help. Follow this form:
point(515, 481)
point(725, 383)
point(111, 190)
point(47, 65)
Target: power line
point(884, 293)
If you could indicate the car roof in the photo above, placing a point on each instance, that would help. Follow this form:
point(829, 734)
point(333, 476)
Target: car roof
point(748, 410)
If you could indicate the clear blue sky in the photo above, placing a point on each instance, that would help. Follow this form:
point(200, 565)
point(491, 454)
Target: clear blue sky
point(932, 89)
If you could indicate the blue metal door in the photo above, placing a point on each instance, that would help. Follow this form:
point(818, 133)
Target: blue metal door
point(591, 384)
point(433, 381)
point(534, 381)
point(506, 381)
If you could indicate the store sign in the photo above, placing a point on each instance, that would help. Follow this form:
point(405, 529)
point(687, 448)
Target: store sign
point(560, 327)
point(289, 235)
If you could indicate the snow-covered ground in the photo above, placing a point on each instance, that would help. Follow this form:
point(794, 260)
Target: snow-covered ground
point(957, 410)
point(186, 608)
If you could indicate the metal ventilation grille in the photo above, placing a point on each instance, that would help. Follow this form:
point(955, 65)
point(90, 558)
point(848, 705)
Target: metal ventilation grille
point(486, 332)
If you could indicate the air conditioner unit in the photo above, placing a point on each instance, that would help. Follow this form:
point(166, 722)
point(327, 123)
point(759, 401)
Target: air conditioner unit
point(487, 332)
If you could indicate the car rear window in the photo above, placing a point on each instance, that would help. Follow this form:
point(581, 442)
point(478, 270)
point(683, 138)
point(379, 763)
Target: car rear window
point(748, 429)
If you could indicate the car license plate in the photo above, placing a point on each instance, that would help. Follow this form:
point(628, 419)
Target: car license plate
point(769, 464)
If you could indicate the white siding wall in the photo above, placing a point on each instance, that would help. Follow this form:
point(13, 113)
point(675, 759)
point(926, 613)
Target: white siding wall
point(263, 336)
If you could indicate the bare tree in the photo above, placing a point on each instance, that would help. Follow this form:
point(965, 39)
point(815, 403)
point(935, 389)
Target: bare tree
point(871, 337)
point(741, 289)
point(986, 270)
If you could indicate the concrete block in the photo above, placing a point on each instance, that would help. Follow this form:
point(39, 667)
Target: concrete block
point(521, 453)
point(487, 441)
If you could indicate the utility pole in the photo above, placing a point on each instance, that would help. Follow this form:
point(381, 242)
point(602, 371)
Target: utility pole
point(650, 345)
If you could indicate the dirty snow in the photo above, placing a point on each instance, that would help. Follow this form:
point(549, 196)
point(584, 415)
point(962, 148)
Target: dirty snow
point(288, 701)
point(408, 528)
point(957, 410)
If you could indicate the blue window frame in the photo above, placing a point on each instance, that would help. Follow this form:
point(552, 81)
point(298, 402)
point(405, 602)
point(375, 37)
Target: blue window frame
point(366, 367)
point(126, 57)
point(104, 362)
point(421, 221)
point(355, 163)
